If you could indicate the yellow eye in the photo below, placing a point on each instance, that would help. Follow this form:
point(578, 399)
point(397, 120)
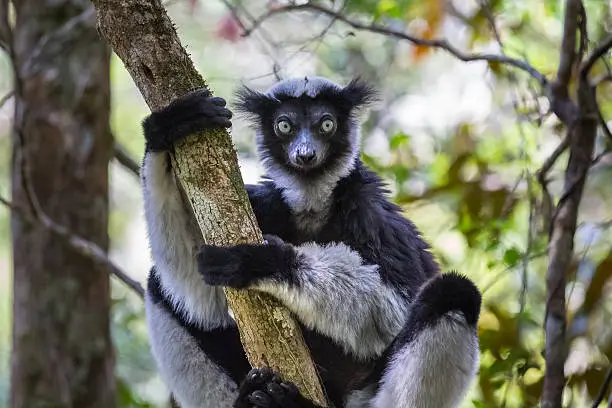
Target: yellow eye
point(327, 125)
point(284, 126)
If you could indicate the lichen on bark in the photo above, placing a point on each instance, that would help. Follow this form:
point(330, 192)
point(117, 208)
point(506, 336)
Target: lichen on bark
point(143, 36)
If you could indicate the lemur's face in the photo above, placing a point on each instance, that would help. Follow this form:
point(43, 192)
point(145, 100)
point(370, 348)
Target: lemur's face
point(306, 135)
point(306, 127)
point(303, 133)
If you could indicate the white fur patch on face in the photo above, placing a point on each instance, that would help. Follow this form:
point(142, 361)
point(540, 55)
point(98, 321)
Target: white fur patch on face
point(173, 248)
point(341, 297)
point(434, 370)
point(195, 380)
point(310, 198)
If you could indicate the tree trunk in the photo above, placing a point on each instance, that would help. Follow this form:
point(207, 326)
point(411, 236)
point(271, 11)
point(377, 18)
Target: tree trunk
point(62, 351)
point(143, 36)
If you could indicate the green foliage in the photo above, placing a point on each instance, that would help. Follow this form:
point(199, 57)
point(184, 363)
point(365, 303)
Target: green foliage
point(463, 168)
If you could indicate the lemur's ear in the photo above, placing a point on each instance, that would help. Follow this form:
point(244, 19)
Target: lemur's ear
point(359, 93)
point(254, 104)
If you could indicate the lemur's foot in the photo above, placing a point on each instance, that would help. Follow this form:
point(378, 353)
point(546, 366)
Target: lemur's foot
point(263, 388)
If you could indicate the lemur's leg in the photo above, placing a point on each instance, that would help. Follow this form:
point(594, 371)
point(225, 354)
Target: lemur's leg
point(180, 299)
point(430, 364)
point(328, 287)
point(434, 359)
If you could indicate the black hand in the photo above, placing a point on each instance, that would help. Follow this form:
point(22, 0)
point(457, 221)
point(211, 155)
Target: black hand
point(195, 112)
point(240, 266)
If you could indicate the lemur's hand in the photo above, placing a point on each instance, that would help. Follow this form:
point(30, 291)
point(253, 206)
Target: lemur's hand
point(241, 266)
point(263, 388)
point(192, 113)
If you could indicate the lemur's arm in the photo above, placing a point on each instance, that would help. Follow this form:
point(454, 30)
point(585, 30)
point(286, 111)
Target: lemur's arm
point(171, 231)
point(329, 287)
point(193, 338)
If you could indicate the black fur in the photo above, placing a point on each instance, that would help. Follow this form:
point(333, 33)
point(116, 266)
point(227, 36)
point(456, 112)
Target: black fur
point(360, 216)
point(239, 266)
point(254, 104)
point(343, 103)
point(194, 112)
point(218, 344)
point(446, 293)
point(263, 388)
point(441, 294)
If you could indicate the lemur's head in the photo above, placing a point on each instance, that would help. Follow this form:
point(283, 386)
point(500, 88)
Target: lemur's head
point(307, 126)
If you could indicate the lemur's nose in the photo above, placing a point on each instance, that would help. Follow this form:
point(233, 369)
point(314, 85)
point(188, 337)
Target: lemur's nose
point(306, 157)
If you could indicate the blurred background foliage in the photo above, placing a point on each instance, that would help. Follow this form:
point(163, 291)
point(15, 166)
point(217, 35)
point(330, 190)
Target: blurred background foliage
point(459, 144)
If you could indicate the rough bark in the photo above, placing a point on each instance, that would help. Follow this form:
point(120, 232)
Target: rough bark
point(143, 36)
point(62, 350)
point(582, 126)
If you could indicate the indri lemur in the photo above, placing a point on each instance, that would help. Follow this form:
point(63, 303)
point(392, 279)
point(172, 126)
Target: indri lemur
point(385, 328)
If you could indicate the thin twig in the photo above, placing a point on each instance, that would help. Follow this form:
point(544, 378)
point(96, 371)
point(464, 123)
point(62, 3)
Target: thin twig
point(528, 249)
point(79, 244)
point(551, 160)
point(603, 47)
point(485, 7)
point(29, 67)
point(126, 160)
point(603, 389)
point(375, 28)
point(600, 79)
point(6, 98)
point(5, 28)
point(602, 121)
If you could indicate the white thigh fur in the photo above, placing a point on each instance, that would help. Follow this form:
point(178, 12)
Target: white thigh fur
point(195, 380)
point(434, 370)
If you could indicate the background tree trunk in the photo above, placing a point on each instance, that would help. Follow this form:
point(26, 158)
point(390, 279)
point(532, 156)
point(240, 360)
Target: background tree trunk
point(62, 350)
point(143, 36)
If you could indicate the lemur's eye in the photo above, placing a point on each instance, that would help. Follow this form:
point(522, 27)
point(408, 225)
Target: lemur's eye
point(283, 126)
point(327, 125)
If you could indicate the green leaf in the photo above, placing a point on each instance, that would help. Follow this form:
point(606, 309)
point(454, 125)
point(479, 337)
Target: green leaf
point(397, 140)
point(512, 256)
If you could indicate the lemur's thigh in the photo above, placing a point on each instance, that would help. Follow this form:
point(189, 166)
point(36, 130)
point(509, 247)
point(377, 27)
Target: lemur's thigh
point(434, 359)
point(195, 379)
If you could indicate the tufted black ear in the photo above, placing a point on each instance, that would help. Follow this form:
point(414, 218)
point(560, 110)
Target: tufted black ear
point(355, 95)
point(359, 93)
point(254, 104)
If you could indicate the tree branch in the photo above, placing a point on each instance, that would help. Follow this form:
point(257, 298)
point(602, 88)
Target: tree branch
point(602, 48)
point(79, 244)
point(560, 103)
point(162, 70)
point(581, 132)
point(375, 28)
point(5, 28)
point(568, 43)
point(604, 388)
point(126, 160)
point(6, 97)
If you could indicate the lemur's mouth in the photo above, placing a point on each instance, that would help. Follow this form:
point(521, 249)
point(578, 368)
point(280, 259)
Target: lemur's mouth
point(304, 167)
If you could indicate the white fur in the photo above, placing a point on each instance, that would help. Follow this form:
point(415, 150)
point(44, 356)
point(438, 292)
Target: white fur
point(173, 248)
point(195, 380)
point(343, 298)
point(360, 398)
point(434, 370)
